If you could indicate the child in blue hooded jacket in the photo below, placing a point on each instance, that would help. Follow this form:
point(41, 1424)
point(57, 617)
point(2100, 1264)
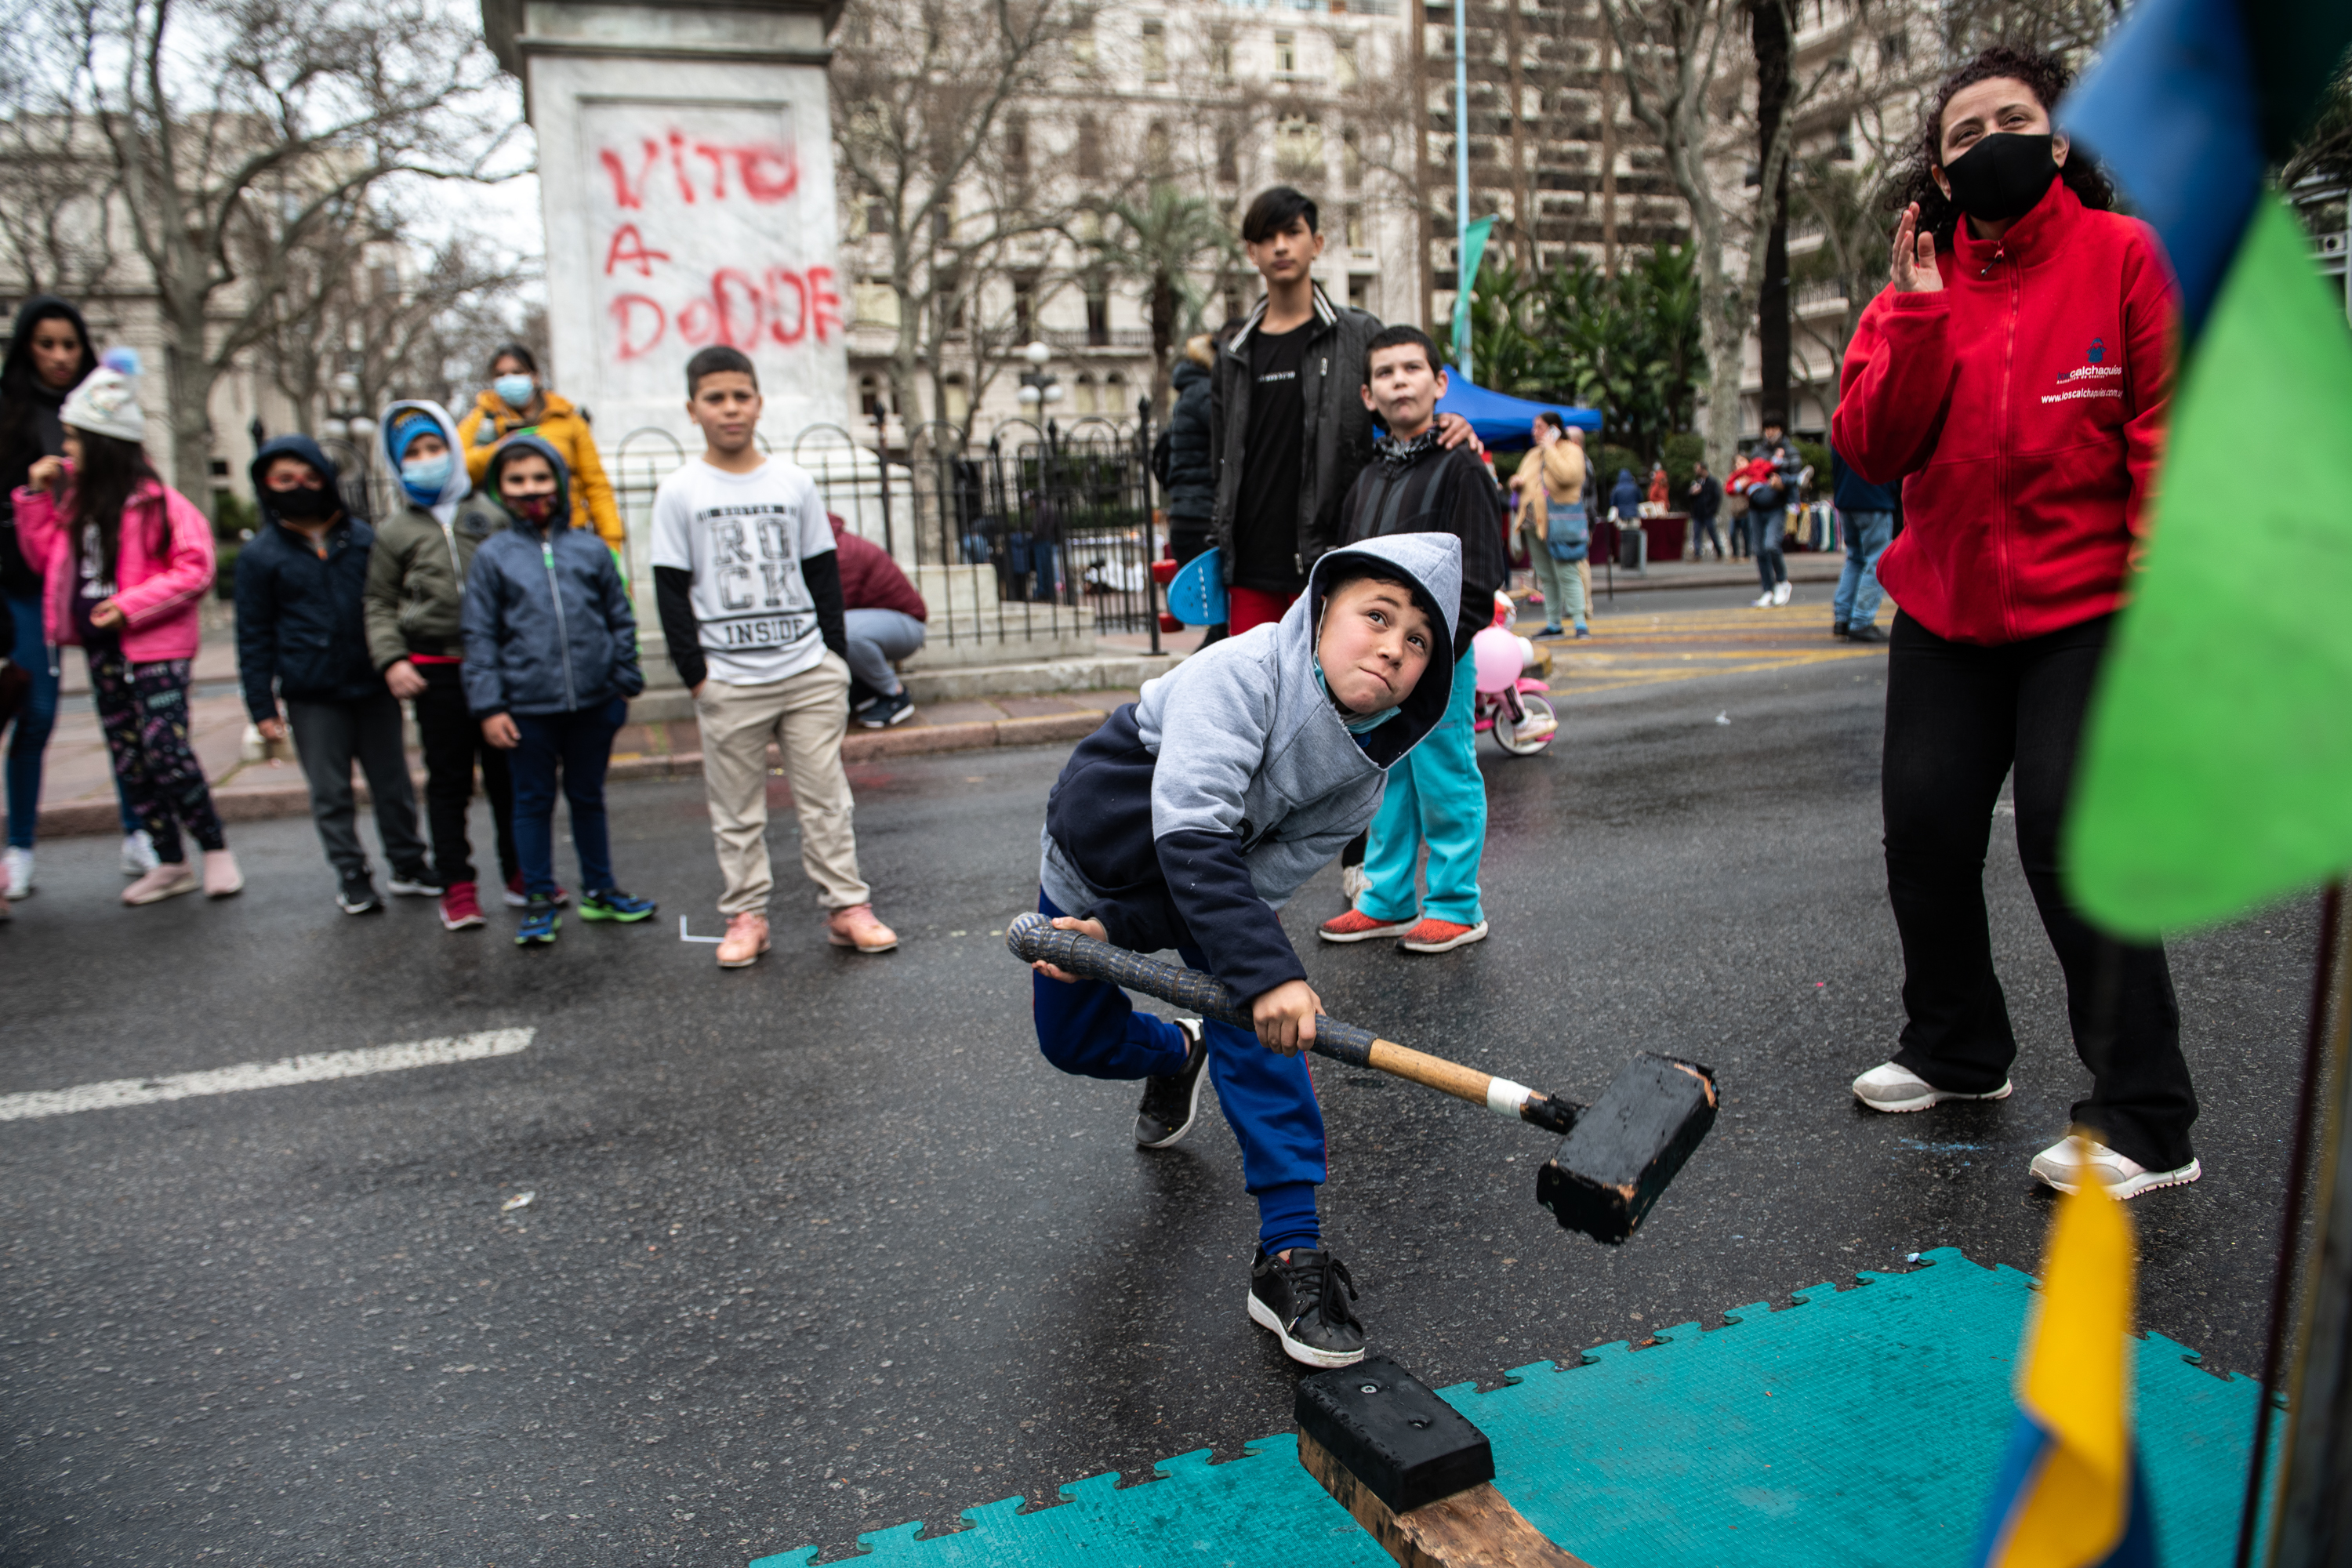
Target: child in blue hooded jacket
point(1187, 820)
point(551, 665)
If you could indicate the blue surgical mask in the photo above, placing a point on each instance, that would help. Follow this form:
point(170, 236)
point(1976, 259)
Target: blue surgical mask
point(425, 476)
point(516, 390)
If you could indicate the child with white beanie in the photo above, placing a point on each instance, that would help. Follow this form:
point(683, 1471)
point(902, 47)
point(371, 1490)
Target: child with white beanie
point(125, 560)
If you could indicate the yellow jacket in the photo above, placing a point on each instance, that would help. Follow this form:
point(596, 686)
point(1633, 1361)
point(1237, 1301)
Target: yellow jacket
point(560, 425)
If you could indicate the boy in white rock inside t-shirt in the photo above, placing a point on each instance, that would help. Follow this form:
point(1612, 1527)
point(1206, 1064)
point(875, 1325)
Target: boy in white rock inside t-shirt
point(750, 597)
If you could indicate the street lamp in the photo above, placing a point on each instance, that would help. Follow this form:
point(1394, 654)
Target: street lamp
point(1038, 385)
point(346, 419)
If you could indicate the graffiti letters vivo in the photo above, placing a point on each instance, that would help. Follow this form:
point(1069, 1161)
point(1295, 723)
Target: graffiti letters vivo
point(697, 223)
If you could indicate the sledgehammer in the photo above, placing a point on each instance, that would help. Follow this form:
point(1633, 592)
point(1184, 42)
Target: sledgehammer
point(1616, 1155)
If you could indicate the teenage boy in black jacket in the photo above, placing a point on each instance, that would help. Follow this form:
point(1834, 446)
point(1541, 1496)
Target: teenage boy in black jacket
point(301, 634)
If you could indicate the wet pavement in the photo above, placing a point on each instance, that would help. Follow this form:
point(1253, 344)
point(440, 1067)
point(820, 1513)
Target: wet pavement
point(824, 1247)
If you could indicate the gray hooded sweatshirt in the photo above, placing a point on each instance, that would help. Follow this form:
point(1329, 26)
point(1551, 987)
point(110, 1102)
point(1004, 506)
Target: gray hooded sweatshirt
point(1195, 812)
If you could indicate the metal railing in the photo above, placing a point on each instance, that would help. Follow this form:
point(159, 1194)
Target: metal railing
point(1043, 535)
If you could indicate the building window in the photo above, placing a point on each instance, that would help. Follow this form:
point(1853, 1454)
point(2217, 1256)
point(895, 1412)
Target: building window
point(1234, 310)
point(1097, 313)
point(1894, 49)
point(959, 403)
point(869, 397)
point(1155, 52)
point(1024, 307)
point(1299, 149)
point(1285, 54)
point(1114, 396)
point(947, 299)
point(1353, 226)
point(1016, 145)
point(876, 304)
point(877, 217)
point(1082, 396)
point(943, 223)
point(1229, 154)
point(1360, 290)
point(1351, 160)
point(1220, 56)
point(1082, 43)
point(1158, 152)
point(1344, 71)
point(1090, 148)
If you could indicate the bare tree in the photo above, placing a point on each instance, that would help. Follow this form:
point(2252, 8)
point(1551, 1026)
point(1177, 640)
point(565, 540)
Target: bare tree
point(1687, 83)
point(935, 164)
point(237, 131)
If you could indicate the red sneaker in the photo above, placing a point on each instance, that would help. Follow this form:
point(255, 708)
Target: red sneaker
point(1358, 926)
point(460, 907)
point(519, 900)
point(1443, 936)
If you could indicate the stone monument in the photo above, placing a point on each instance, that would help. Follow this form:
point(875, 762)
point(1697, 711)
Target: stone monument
point(686, 177)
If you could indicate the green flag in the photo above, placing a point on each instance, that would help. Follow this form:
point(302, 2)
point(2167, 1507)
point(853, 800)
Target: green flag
point(2217, 763)
point(1473, 251)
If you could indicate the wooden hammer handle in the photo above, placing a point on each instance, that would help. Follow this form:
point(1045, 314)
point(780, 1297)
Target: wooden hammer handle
point(1032, 937)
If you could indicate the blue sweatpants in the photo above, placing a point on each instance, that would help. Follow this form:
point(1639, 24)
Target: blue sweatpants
point(1090, 1028)
point(1437, 794)
point(576, 745)
point(30, 736)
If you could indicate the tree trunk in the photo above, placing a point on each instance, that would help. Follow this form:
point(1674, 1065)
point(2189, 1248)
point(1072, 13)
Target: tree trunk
point(1769, 27)
point(188, 375)
point(1164, 339)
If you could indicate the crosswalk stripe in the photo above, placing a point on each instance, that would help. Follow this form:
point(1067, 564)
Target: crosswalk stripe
point(311, 1068)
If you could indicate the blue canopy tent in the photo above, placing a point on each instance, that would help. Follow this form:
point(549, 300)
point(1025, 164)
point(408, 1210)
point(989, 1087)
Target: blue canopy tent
point(1501, 422)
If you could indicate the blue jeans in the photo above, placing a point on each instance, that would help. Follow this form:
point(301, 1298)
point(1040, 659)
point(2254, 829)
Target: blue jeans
point(1858, 593)
point(1090, 1028)
point(35, 722)
point(1765, 530)
point(579, 744)
point(1435, 794)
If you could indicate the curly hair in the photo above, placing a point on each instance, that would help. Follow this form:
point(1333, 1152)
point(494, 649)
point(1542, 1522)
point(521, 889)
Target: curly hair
point(2048, 76)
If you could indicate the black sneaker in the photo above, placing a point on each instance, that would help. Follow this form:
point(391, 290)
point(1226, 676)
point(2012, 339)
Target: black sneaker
point(1301, 1302)
point(357, 896)
point(884, 711)
point(1172, 1103)
point(416, 883)
point(1865, 631)
point(1837, 628)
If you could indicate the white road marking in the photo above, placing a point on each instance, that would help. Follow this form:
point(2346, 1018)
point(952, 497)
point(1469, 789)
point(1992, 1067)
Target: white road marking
point(264, 1075)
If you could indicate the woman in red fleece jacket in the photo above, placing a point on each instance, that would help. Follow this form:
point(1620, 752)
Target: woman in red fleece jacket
point(2013, 376)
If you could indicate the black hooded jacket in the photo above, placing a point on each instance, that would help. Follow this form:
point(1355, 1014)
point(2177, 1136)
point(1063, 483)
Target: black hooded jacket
point(29, 428)
point(301, 621)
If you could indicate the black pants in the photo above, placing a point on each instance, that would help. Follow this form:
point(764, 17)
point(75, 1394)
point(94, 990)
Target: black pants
point(1959, 717)
point(453, 742)
point(330, 737)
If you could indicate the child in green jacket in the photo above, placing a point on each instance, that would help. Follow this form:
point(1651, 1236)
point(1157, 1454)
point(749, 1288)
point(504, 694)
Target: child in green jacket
point(416, 585)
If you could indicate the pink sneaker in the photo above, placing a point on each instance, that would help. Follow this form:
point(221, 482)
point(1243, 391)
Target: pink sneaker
point(165, 881)
point(746, 940)
point(856, 927)
point(1358, 926)
point(461, 907)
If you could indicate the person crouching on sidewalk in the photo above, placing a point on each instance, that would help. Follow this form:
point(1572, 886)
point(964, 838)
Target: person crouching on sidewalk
point(749, 586)
point(302, 635)
point(416, 641)
point(124, 562)
point(884, 619)
point(551, 665)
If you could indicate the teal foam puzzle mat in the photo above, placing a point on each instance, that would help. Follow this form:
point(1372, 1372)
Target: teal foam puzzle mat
point(1853, 1428)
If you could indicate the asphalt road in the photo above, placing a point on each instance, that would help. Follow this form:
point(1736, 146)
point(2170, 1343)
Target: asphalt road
point(826, 1246)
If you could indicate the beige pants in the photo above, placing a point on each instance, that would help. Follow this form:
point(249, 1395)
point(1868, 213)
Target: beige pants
point(807, 716)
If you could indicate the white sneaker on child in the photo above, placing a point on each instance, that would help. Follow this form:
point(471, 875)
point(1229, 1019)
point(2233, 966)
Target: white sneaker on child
point(19, 865)
point(139, 856)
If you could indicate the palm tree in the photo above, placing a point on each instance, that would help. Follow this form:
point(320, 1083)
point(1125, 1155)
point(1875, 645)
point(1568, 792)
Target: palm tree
point(1159, 242)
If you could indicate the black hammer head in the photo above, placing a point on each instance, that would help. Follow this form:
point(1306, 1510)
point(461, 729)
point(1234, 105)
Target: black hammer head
point(1627, 1146)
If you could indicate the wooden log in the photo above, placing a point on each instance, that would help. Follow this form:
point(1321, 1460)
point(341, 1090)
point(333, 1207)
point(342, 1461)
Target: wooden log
point(1477, 1527)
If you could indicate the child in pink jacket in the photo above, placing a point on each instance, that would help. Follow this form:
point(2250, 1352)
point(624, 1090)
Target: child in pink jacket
point(124, 562)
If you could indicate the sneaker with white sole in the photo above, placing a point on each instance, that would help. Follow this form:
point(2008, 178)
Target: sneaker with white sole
point(163, 882)
point(1435, 935)
point(139, 856)
point(1171, 1103)
point(1890, 1087)
point(1358, 926)
point(2060, 1165)
point(19, 863)
point(1763, 601)
point(1784, 593)
point(1303, 1302)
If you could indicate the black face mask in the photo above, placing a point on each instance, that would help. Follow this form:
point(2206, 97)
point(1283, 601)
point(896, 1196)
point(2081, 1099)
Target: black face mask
point(2001, 176)
point(303, 504)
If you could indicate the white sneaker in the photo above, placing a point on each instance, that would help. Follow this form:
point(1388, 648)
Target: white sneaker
point(1763, 601)
point(2061, 1166)
point(1784, 593)
point(139, 853)
point(1890, 1087)
point(20, 872)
